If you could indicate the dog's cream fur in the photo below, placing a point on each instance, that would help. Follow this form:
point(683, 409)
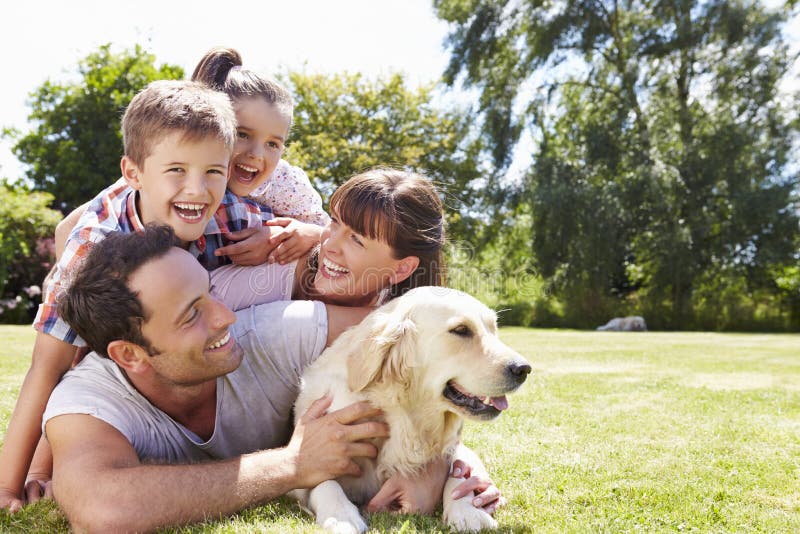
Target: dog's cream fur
point(401, 358)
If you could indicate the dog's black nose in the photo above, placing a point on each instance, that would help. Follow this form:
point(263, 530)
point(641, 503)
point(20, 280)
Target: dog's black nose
point(518, 371)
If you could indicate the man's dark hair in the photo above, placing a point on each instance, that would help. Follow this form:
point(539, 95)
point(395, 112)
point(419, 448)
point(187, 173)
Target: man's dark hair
point(97, 302)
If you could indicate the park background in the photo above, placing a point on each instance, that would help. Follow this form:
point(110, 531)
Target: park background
point(596, 158)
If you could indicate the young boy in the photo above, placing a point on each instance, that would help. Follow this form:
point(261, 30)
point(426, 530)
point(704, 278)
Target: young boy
point(178, 139)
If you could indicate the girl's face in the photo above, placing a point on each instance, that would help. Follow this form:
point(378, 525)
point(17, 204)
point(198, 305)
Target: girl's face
point(260, 138)
point(353, 269)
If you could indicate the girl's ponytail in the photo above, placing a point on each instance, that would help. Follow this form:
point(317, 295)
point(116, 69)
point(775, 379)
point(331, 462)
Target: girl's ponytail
point(214, 67)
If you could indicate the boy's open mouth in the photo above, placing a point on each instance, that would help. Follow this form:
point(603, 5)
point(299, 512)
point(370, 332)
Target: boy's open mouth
point(190, 211)
point(244, 173)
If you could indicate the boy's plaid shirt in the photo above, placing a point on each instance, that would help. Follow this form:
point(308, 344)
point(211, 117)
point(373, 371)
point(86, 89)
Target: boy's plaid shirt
point(114, 210)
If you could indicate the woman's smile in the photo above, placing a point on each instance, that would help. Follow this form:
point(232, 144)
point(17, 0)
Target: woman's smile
point(332, 269)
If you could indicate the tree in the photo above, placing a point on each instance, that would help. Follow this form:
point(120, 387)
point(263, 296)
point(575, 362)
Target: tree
point(663, 139)
point(345, 124)
point(74, 148)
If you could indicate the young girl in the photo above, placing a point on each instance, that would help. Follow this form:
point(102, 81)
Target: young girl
point(264, 115)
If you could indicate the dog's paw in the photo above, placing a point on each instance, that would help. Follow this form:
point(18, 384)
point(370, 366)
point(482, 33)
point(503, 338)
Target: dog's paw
point(464, 517)
point(334, 511)
point(344, 521)
point(339, 526)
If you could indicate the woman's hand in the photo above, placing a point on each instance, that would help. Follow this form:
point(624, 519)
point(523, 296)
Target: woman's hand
point(419, 494)
point(487, 495)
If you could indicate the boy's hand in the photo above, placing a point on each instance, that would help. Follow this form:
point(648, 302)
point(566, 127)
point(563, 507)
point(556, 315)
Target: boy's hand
point(37, 488)
point(253, 247)
point(291, 239)
point(10, 501)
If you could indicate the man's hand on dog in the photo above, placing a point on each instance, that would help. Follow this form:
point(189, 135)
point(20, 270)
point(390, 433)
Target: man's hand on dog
point(323, 444)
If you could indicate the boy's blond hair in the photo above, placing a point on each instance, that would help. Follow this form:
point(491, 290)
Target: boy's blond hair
point(167, 106)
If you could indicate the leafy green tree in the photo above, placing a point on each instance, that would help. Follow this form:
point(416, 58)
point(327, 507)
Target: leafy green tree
point(787, 281)
point(663, 141)
point(345, 124)
point(74, 148)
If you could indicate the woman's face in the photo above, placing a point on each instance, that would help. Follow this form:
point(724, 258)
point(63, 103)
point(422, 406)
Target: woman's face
point(260, 136)
point(353, 269)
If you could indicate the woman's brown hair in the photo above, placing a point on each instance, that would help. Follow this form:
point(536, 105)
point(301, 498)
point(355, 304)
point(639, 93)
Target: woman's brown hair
point(402, 209)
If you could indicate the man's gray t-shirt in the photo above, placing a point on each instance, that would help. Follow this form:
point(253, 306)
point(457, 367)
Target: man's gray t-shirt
point(254, 402)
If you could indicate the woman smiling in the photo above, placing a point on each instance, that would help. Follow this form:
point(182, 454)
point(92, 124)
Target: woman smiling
point(385, 237)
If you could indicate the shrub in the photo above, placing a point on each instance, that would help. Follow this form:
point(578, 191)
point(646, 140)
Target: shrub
point(26, 249)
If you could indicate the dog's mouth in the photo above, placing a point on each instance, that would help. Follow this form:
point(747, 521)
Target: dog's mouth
point(484, 407)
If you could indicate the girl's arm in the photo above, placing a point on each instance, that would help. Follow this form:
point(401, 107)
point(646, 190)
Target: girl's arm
point(293, 239)
point(280, 240)
point(289, 193)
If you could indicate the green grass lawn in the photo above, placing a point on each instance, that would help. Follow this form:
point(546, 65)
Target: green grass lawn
point(613, 432)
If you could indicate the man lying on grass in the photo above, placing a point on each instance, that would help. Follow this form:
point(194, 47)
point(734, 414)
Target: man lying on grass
point(177, 378)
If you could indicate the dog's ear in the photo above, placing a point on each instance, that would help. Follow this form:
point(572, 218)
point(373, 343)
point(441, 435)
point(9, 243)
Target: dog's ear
point(387, 355)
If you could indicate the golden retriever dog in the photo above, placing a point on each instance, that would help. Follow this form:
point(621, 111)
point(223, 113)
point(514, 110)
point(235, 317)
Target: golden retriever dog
point(428, 359)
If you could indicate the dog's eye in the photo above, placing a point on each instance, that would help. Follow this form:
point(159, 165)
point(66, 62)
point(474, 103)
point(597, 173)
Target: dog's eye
point(461, 330)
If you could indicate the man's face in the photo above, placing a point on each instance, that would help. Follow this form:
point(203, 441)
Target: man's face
point(181, 183)
point(186, 326)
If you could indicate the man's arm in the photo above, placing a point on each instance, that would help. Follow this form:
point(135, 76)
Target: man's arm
point(102, 486)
